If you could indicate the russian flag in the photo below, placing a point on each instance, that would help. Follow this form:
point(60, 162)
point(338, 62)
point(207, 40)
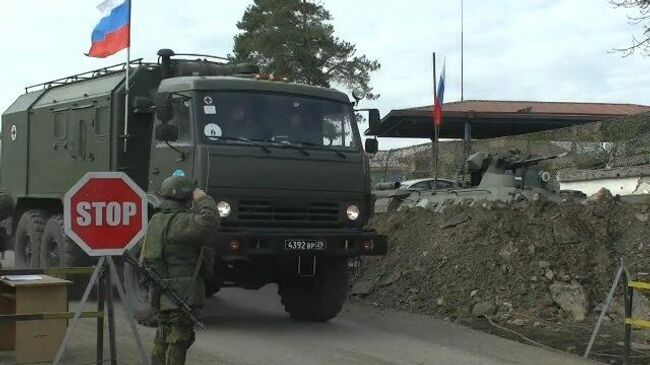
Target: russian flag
point(113, 33)
point(437, 105)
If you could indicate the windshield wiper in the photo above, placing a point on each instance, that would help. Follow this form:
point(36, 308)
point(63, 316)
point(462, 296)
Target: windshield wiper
point(320, 146)
point(246, 140)
point(293, 145)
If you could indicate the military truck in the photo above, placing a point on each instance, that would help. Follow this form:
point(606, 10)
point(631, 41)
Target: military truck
point(284, 161)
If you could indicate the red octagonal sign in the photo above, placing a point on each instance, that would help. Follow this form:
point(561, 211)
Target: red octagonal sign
point(105, 213)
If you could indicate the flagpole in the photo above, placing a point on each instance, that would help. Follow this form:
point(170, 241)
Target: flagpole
point(127, 85)
point(435, 125)
point(462, 55)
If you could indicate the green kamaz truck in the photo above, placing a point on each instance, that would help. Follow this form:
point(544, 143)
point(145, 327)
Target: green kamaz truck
point(284, 161)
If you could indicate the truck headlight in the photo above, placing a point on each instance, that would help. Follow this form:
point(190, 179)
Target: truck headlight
point(223, 208)
point(352, 212)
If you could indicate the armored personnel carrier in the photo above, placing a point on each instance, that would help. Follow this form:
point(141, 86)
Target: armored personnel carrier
point(284, 161)
point(505, 178)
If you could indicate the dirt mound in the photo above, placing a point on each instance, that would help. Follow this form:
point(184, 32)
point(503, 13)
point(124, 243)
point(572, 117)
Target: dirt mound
point(551, 261)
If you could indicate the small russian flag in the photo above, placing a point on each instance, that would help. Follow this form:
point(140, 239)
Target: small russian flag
point(437, 105)
point(113, 33)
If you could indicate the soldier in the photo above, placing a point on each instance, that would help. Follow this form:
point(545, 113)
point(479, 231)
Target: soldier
point(173, 247)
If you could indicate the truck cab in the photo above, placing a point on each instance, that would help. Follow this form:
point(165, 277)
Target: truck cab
point(286, 166)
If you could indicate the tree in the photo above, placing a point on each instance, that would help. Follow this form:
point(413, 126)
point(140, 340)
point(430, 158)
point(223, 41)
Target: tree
point(643, 18)
point(295, 39)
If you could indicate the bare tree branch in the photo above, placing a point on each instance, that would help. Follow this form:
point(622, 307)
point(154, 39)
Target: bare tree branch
point(638, 44)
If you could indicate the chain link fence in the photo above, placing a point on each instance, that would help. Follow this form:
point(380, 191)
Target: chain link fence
point(615, 144)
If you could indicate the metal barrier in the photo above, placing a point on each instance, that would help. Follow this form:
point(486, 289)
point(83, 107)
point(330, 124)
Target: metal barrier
point(629, 320)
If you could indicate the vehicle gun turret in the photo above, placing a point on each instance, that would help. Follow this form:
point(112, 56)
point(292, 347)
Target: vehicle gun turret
point(508, 170)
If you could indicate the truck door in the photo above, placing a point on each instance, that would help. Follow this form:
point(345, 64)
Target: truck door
point(177, 155)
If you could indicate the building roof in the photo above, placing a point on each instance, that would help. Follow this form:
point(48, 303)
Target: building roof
point(542, 107)
point(496, 118)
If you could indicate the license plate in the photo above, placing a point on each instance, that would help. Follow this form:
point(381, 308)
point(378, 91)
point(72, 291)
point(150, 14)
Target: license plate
point(305, 245)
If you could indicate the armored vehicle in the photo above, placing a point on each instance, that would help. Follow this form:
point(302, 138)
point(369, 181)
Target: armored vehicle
point(284, 161)
point(495, 177)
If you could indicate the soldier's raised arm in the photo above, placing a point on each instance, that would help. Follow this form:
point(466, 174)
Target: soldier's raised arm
point(206, 216)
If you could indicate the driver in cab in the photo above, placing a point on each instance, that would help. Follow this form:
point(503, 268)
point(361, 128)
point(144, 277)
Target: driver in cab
point(299, 129)
point(243, 125)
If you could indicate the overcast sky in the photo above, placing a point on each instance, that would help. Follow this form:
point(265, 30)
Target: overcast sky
point(549, 50)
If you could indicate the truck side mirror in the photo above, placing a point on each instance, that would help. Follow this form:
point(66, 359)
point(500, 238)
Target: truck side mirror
point(166, 132)
point(373, 118)
point(164, 110)
point(371, 146)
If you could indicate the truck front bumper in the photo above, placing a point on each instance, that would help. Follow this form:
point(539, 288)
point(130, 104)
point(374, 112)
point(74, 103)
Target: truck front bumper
point(272, 242)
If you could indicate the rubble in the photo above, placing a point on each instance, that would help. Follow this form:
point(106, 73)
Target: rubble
point(482, 309)
point(572, 298)
point(549, 274)
point(363, 288)
point(517, 322)
point(553, 261)
point(391, 278)
point(533, 267)
point(456, 220)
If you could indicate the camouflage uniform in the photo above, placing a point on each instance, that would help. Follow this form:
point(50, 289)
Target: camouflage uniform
point(172, 247)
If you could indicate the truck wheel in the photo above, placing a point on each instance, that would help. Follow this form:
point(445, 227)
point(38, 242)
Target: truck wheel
point(6, 204)
point(29, 233)
point(141, 294)
point(57, 249)
point(320, 299)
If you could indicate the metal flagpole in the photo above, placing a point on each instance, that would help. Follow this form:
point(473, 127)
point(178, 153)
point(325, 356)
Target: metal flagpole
point(127, 85)
point(462, 55)
point(435, 126)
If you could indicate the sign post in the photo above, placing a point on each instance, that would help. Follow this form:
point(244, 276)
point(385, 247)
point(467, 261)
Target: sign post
point(105, 214)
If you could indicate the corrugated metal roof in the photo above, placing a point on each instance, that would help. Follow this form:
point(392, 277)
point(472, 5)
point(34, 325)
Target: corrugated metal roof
point(634, 118)
point(495, 118)
point(544, 107)
point(24, 102)
point(81, 90)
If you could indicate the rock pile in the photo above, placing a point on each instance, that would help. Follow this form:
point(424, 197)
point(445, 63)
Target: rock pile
point(553, 261)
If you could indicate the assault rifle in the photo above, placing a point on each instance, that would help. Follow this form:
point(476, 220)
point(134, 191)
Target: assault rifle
point(165, 289)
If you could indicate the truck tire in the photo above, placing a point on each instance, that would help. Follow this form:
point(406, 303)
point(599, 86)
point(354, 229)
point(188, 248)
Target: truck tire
point(320, 299)
point(6, 204)
point(141, 294)
point(29, 233)
point(57, 249)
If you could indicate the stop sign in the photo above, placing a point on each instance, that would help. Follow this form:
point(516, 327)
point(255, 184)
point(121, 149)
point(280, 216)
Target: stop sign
point(105, 213)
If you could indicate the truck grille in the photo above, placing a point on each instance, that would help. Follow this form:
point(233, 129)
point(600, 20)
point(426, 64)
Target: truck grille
point(257, 210)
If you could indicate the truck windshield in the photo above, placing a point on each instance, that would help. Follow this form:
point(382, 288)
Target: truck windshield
point(236, 117)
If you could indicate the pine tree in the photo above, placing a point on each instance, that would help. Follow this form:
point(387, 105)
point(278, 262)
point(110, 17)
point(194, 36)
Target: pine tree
point(295, 39)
